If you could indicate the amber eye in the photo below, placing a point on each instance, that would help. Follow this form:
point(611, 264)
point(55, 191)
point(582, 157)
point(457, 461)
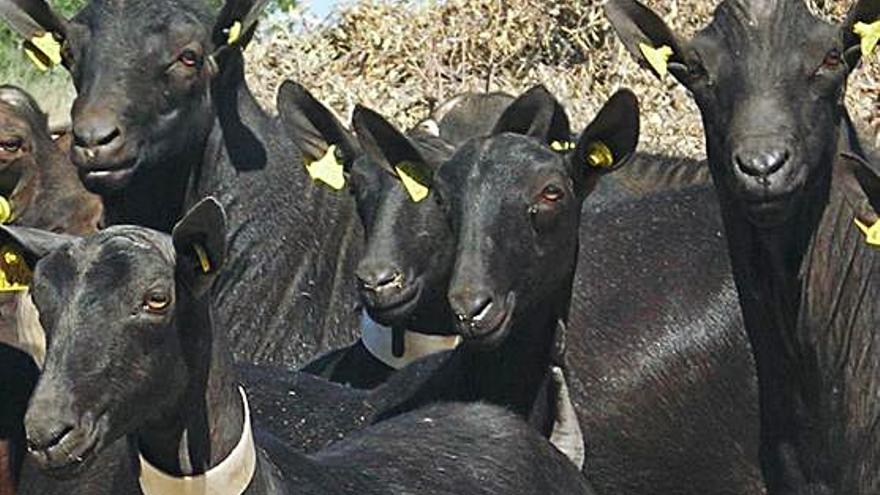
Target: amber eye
point(156, 302)
point(190, 58)
point(552, 194)
point(11, 145)
point(833, 59)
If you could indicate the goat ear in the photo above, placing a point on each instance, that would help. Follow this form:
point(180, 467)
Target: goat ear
point(394, 152)
point(312, 125)
point(236, 21)
point(538, 114)
point(645, 35)
point(200, 243)
point(861, 189)
point(20, 250)
point(861, 31)
point(328, 148)
point(41, 28)
point(608, 142)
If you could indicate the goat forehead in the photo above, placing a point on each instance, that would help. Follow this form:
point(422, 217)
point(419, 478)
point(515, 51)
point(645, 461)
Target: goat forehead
point(140, 247)
point(158, 9)
point(772, 28)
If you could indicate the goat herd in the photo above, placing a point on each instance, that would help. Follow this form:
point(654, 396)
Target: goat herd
point(532, 312)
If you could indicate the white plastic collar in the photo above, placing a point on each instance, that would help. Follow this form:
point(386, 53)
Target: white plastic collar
point(231, 477)
point(378, 340)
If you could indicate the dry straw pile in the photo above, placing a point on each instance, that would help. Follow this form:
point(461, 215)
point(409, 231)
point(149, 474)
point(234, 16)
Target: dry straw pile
point(402, 57)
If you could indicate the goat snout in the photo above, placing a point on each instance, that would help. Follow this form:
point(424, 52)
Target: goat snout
point(761, 162)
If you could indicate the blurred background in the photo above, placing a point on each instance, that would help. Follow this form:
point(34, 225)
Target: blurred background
point(403, 57)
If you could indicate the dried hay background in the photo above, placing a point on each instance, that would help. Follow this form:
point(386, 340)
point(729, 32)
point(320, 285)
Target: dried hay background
point(402, 57)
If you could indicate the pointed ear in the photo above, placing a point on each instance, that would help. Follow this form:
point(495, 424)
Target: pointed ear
point(861, 31)
point(234, 26)
point(41, 28)
point(200, 243)
point(394, 152)
point(608, 142)
point(645, 35)
point(312, 126)
point(538, 114)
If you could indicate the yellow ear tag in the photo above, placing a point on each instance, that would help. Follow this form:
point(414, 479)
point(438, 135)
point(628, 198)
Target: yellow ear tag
point(599, 155)
point(234, 33)
point(204, 261)
point(44, 51)
point(328, 169)
point(658, 58)
point(562, 146)
point(417, 191)
point(872, 234)
point(870, 35)
point(5, 210)
point(15, 275)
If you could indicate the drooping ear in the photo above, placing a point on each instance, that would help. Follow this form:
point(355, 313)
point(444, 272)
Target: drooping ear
point(608, 142)
point(538, 114)
point(234, 26)
point(861, 31)
point(20, 250)
point(200, 243)
point(860, 183)
point(32, 243)
point(393, 151)
point(328, 148)
point(42, 29)
point(645, 35)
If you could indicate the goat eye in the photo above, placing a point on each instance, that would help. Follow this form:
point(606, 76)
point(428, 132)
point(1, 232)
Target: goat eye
point(552, 194)
point(11, 145)
point(190, 58)
point(833, 59)
point(156, 302)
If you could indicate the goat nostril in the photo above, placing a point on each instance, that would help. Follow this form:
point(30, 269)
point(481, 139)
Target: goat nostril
point(48, 440)
point(475, 308)
point(109, 138)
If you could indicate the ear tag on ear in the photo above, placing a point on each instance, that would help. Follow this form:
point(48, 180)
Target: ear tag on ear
point(872, 234)
point(562, 146)
point(44, 51)
point(599, 155)
point(15, 276)
point(5, 211)
point(328, 169)
point(417, 191)
point(658, 58)
point(204, 261)
point(870, 35)
point(234, 33)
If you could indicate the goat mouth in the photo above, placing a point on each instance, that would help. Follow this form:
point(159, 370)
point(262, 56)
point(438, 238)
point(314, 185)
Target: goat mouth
point(769, 210)
point(69, 453)
point(489, 329)
point(108, 178)
point(391, 307)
